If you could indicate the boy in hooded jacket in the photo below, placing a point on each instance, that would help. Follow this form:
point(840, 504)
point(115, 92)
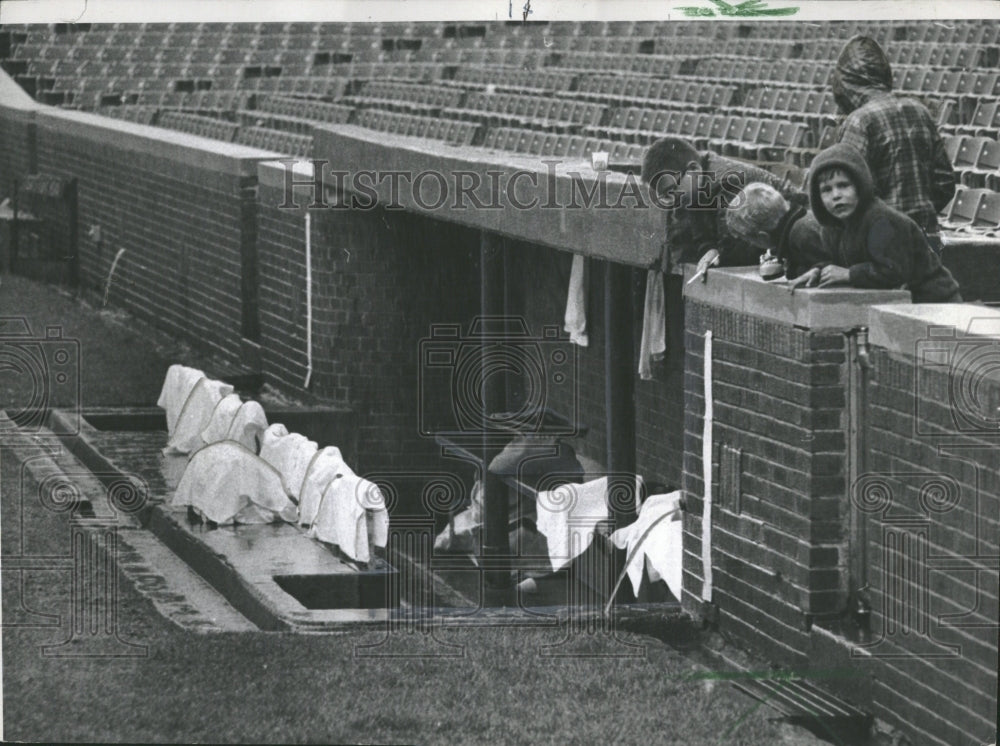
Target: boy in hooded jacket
point(873, 245)
point(896, 136)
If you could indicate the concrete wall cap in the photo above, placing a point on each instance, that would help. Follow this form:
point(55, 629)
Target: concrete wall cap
point(742, 289)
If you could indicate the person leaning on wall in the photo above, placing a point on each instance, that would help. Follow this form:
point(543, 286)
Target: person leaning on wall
point(695, 189)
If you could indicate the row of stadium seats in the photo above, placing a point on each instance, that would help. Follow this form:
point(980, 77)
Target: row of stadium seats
point(790, 100)
point(646, 64)
point(431, 96)
point(195, 124)
point(137, 114)
point(975, 210)
point(984, 122)
point(975, 159)
point(247, 35)
point(749, 137)
point(320, 111)
point(454, 132)
point(614, 88)
point(545, 111)
point(285, 123)
point(545, 144)
point(276, 140)
point(508, 78)
point(793, 72)
point(961, 82)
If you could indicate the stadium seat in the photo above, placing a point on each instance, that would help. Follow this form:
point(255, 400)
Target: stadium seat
point(988, 215)
point(988, 164)
point(985, 120)
point(964, 207)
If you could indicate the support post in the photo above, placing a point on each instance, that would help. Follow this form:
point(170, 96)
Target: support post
point(496, 541)
point(619, 391)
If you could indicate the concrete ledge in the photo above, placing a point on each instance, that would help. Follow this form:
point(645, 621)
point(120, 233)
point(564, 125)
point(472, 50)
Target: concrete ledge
point(742, 289)
point(517, 196)
point(191, 150)
point(14, 97)
point(955, 338)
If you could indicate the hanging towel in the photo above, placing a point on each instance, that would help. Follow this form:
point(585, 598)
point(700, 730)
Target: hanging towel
point(654, 325)
point(567, 516)
point(325, 466)
point(221, 419)
point(248, 426)
point(657, 532)
point(196, 414)
point(290, 454)
point(177, 387)
point(226, 483)
point(342, 516)
point(576, 302)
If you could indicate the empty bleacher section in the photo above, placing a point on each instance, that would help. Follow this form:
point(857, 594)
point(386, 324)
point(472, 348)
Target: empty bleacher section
point(755, 91)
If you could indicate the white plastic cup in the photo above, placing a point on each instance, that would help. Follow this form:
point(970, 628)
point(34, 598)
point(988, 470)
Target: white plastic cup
point(599, 160)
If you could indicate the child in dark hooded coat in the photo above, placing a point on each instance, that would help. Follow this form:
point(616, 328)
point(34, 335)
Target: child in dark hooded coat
point(874, 245)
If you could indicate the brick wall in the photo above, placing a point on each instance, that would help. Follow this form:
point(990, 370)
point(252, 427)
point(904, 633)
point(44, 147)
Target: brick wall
point(904, 523)
point(778, 396)
point(381, 280)
point(17, 134)
point(181, 207)
point(932, 496)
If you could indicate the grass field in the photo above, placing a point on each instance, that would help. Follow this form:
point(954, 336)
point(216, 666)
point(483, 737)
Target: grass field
point(295, 688)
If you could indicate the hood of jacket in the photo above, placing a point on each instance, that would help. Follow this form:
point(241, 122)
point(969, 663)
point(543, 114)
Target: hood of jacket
point(849, 159)
point(862, 72)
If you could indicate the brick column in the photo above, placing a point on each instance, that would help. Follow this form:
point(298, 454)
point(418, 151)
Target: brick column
point(779, 454)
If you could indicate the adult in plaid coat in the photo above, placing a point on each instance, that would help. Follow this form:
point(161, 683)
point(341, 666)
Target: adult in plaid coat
point(896, 136)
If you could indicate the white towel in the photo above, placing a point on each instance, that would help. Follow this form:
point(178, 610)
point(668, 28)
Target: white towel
point(226, 483)
point(341, 517)
point(576, 303)
point(221, 419)
point(661, 547)
point(248, 426)
point(325, 466)
point(290, 454)
point(177, 385)
point(462, 533)
point(654, 325)
point(567, 516)
point(196, 414)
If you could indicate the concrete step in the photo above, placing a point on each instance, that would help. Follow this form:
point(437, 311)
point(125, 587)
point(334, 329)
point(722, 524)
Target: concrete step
point(176, 591)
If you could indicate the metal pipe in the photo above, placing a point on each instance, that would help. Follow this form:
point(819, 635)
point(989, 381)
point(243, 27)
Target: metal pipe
point(706, 472)
point(309, 306)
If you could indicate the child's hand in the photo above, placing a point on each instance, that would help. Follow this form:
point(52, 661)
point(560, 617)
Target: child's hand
point(807, 279)
point(710, 259)
point(831, 274)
